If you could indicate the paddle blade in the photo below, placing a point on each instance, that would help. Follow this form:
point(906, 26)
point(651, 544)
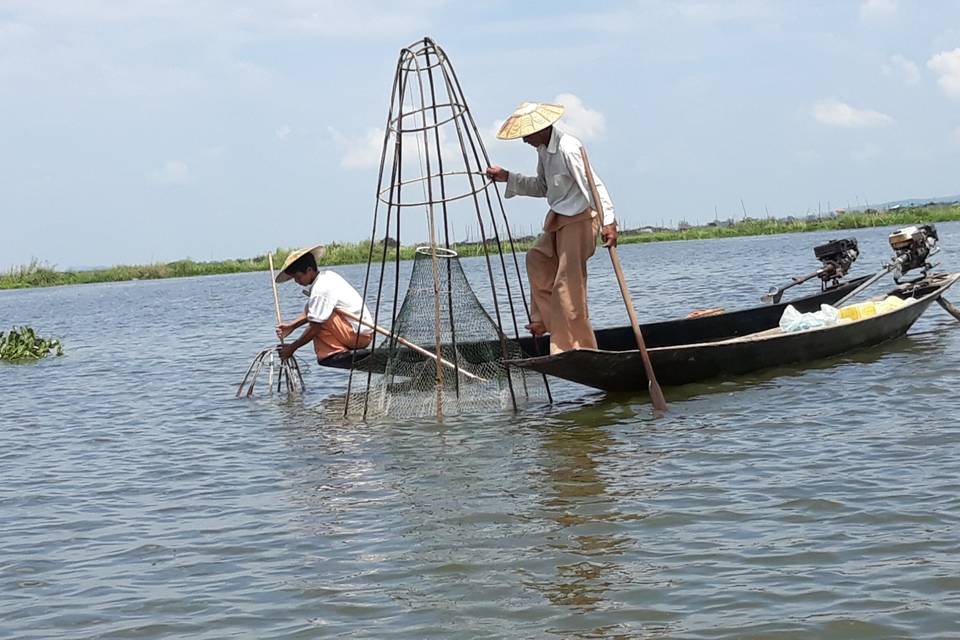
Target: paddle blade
point(656, 396)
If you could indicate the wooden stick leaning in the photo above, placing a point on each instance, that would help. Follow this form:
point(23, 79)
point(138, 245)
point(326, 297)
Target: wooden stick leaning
point(949, 307)
point(276, 298)
point(656, 394)
point(410, 345)
point(276, 307)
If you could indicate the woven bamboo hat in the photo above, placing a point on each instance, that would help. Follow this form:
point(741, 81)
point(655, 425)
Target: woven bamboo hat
point(529, 117)
point(317, 251)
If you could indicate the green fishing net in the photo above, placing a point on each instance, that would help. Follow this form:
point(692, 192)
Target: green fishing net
point(440, 309)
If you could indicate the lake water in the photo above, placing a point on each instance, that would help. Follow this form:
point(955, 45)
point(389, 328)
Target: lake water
point(140, 499)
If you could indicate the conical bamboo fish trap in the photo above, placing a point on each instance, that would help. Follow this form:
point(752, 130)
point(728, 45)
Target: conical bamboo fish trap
point(431, 184)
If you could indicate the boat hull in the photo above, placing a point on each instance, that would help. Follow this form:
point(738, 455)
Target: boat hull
point(678, 364)
point(725, 325)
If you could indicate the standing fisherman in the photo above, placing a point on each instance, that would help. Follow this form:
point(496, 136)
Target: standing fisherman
point(557, 263)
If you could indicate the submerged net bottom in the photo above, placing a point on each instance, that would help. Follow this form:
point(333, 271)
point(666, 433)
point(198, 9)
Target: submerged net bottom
point(471, 376)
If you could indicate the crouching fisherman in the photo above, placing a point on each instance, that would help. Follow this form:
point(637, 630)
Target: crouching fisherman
point(330, 330)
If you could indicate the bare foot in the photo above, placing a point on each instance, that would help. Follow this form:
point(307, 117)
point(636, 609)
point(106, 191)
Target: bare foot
point(536, 328)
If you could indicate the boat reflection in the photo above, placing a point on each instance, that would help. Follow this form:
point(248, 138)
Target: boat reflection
point(589, 493)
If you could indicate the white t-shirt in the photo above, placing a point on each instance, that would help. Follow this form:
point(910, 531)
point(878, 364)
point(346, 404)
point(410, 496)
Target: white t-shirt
point(330, 292)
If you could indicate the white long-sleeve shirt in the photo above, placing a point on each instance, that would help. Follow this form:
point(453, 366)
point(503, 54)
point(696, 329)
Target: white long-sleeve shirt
point(330, 292)
point(562, 179)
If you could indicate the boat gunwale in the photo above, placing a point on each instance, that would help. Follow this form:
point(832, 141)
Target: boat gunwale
point(945, 283)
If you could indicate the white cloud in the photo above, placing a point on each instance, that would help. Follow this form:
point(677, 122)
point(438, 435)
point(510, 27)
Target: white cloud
point(365, 19)
point(834, 113)
point(159, 48)
point(946, 64)
point(956, 135)
point(359, 152)
point(902, 68)
point(364, 151)
point(11, 32)
point(578, 119)
point(491, 132)
point(878, 9)
point(283, 132)
point(173, 172)
point(866, 153)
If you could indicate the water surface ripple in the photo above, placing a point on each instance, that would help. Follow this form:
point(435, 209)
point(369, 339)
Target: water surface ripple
point(141, 500)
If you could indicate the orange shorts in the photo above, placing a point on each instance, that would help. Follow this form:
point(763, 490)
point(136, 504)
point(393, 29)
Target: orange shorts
point(336, 336)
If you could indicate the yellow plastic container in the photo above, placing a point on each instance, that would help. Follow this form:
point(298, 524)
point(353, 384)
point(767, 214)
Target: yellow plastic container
point(850, 312)
point(892, 303)
point(860, 311)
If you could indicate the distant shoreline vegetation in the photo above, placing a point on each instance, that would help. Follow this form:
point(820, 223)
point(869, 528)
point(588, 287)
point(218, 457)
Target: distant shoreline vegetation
point(40, 274)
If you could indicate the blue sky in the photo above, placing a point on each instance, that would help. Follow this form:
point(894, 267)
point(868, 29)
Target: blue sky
point(162, 129)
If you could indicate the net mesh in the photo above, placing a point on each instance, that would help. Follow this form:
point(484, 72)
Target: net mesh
point(441, 307)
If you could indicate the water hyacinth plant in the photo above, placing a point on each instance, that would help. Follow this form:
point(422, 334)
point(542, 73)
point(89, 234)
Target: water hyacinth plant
point(23, 344)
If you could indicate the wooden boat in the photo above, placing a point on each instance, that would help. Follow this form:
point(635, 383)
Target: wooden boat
point(687, 351)
point(656, 334)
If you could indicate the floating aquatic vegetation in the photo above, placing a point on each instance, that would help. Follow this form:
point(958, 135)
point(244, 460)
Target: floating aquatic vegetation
point(22, 344)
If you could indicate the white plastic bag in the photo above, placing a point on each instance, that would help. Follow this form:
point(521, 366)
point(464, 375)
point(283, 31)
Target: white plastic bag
point(792, 320)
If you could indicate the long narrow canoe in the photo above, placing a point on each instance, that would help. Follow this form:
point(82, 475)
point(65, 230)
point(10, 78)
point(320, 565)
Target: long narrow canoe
point(725, 325)
point(690, 357)
point(741, 322)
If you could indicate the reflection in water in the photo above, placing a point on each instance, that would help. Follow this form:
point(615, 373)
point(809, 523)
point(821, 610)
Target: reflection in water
point(589, 542)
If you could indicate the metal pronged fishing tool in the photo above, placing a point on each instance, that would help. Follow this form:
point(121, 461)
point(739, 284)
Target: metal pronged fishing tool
point(287, 370)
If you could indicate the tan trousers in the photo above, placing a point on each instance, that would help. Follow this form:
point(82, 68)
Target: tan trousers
point(336, 336)
point(557, 269)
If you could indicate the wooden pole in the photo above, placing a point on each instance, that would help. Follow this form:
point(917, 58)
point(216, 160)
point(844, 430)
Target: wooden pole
point(276, 307)
point(276, 298)
point(949, 307)
point(410, 345)
point(656, 394)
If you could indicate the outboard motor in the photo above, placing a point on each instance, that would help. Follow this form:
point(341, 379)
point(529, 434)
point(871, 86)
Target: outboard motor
point(913, 246)
point(836, 256)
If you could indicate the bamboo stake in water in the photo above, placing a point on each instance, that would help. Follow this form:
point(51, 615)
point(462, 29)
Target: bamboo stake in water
point(276, 298)
point(276, 307)
point(284, 365)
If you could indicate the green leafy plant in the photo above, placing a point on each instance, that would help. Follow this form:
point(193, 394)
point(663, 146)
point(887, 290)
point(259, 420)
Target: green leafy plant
point(23, 343)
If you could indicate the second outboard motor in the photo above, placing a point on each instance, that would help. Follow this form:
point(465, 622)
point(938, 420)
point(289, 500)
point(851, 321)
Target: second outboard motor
point(912, 246)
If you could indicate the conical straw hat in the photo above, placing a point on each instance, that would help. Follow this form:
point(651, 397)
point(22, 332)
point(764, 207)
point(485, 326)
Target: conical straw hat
point(317, 251)
point(529, 117)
